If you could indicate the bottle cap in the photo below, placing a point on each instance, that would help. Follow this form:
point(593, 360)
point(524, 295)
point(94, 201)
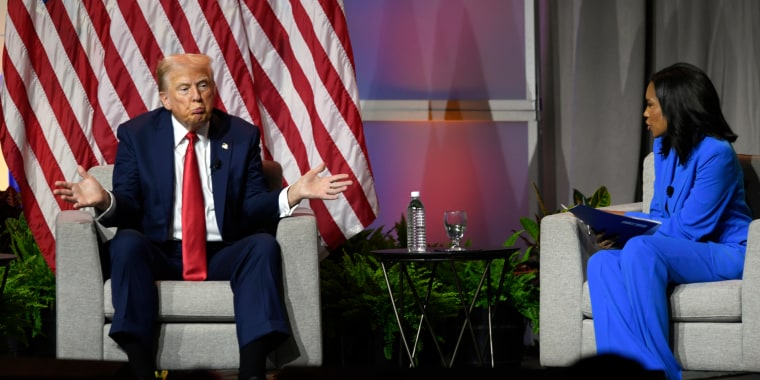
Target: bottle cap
point(415, 194)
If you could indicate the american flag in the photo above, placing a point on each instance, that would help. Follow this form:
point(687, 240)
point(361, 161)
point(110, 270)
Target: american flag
point(74, 70)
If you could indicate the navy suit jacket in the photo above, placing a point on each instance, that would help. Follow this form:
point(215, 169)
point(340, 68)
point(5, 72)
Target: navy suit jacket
point(143, 177)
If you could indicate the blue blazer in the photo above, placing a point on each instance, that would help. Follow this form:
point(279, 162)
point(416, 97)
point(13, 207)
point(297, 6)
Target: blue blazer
point(706, 201)
point(143, 177)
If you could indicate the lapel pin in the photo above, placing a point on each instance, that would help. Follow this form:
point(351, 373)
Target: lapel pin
point(225, 146)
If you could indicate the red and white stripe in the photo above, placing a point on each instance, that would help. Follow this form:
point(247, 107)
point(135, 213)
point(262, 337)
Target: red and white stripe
point(73, 71)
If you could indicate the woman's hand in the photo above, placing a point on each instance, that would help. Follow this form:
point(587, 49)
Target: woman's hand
point(603, 241)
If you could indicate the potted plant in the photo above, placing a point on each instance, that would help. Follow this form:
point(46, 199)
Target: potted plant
point(27, 301)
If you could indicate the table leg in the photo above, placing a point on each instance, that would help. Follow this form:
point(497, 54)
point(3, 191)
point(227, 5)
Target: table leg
point(6, 269)
point(423, 309)
point(466, 305)
point(424, 317)
point(427, 301)
point(499, 289)
point(490, 314)
point(467, 309)
point(396, 314)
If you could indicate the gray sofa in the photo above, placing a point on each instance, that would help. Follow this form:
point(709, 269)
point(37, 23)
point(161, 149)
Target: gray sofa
point(197, 328)
point(715, 326)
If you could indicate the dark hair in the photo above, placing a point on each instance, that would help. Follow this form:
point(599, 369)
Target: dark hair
point(691, 106)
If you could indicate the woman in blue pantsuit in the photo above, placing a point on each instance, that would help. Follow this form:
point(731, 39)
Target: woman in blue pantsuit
point(698, 198)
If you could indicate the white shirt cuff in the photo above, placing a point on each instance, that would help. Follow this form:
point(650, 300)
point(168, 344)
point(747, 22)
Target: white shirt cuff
point(109, 210)
point(285, 209)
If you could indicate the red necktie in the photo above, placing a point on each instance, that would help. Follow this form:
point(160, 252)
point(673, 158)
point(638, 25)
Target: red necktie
point(193, 217)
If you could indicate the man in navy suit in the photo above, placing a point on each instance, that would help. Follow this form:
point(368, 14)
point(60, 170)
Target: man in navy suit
point(146, 204)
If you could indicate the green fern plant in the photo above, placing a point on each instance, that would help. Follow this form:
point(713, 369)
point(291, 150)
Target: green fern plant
point(512, 281)
point(30, 287)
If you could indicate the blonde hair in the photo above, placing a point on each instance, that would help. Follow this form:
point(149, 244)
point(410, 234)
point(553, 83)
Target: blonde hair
point(174, 61)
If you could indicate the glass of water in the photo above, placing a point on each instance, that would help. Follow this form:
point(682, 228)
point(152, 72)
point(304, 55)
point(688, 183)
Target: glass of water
point(455, 223)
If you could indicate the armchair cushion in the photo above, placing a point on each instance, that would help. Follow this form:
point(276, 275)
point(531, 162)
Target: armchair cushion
point(688, 302)
point(206, 301)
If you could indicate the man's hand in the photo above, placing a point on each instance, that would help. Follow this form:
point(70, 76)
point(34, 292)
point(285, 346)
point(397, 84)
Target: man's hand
point(86, 193)
point(311, 186)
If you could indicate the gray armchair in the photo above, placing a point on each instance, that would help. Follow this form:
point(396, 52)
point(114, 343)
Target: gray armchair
point(715, 326)
point(197, 323)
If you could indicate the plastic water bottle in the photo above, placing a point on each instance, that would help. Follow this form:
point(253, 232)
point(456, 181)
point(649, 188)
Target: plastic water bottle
point(416, 240)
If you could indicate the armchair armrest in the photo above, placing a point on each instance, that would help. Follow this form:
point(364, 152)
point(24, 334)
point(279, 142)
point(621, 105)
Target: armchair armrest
point(299, 243)
point(79, 287)
point(751, 300)
point(565, 249)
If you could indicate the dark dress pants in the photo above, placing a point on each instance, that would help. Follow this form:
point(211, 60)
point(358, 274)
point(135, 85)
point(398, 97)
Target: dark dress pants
point(252, 265)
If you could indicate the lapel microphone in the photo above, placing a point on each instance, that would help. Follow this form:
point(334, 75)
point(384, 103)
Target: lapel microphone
point(218, 164)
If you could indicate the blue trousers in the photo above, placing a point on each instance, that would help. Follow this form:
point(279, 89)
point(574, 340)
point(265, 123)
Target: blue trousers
point(629, 299)
point(252, 265)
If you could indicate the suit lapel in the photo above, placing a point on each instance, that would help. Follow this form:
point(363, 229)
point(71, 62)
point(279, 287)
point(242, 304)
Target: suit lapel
point(221, 152)
point(162, 156)
point(683, 179)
